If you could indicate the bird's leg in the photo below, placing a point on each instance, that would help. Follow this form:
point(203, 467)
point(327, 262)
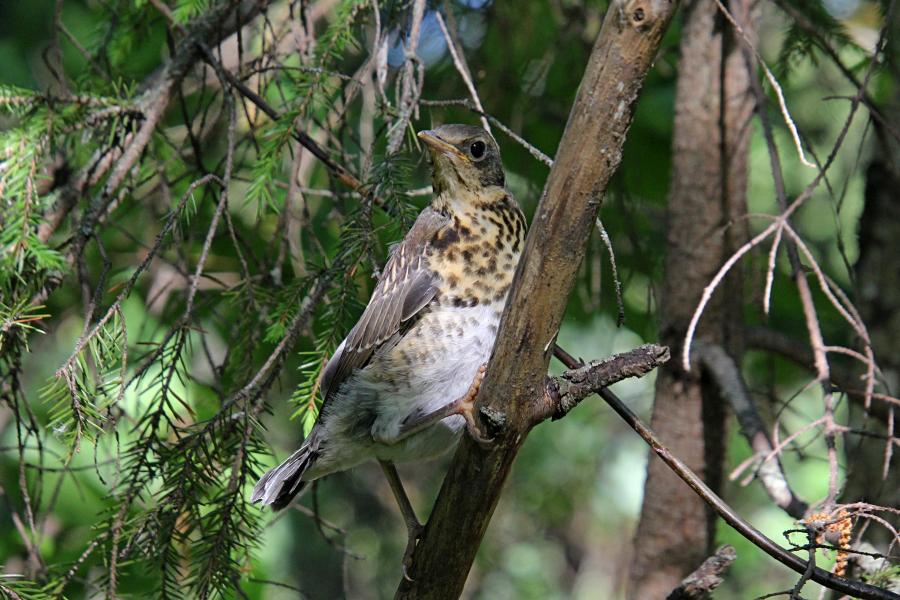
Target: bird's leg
point(464, 406)
point(413, 527)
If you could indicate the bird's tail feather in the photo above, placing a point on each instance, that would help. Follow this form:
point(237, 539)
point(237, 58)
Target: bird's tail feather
point(279, 485)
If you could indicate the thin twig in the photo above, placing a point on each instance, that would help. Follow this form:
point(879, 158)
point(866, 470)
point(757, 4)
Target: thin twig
point(466, 103)
point(459, 61)
point(617, 284)
point(777, 223)
point(782, 103)
point(410, 80)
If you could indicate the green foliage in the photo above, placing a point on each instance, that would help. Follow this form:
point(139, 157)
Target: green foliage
point(185, 10)
point(802, 44)
point(339, 37)
point(16, 100)
point(91, 382)
point(341, 307)
point(390, 180)
point(269, 164)
point(22, 318)
point(15, 587)
point(887, 577)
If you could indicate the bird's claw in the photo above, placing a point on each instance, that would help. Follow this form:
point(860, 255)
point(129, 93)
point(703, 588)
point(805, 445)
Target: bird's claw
point(414, 532)
point(467, 408)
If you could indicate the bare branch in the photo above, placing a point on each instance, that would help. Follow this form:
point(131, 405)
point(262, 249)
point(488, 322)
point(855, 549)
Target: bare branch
point(700, 584)
point(459, 61)
point(465, 102)
point(731, 386)
point(566, 391)
point(779, 93)
point(410, 79)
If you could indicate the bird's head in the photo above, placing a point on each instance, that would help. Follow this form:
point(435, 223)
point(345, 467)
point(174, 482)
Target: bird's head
point(466, 160)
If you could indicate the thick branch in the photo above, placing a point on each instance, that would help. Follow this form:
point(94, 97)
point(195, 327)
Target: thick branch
point(589, 153)
point(566, 391)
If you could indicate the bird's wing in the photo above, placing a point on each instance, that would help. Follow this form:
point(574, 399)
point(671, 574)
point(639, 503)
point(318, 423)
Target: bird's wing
point(406, 286)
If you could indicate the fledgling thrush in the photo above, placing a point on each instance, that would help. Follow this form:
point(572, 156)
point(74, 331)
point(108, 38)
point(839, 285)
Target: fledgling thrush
point(402, 384)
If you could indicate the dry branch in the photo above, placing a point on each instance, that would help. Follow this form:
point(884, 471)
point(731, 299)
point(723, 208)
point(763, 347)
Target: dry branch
point(728, 378)
point(708, 576)
point(789, 348)
point(570, 388)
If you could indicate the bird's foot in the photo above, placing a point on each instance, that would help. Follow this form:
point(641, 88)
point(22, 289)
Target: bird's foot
point(466, 407)
point(414, 532)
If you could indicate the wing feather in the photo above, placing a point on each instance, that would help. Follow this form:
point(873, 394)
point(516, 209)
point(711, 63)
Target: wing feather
point(406, 286)
point(421, 291)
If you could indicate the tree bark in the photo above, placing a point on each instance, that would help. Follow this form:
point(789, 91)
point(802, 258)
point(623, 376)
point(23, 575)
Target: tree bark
point(713, 107)
point(512, 392)
point(878, 284)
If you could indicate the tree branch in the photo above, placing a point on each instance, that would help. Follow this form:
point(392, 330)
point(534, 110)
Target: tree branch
point(708, 576)
point(153, 98)
point(718, 364)
point(566, 391)
point(303, 138)
point(789, 348)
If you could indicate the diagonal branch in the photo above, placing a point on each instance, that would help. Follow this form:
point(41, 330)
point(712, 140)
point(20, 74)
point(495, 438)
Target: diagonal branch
point(303, 138)
point(725, 372)
point(460, 62)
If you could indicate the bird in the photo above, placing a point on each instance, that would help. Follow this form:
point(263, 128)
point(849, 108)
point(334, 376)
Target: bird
point(402, 384)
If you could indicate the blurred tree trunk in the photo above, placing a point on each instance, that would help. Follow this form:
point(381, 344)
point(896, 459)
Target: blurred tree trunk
point(707, 195)
point(878, 293)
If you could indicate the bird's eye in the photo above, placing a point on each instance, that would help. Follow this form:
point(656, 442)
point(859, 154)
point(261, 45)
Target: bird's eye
point(477, 149)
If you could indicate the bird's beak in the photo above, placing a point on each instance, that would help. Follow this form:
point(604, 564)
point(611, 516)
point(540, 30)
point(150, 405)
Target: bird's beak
point(438, 145)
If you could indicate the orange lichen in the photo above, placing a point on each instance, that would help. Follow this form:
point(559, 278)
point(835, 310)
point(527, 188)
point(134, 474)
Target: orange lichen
point(830, 524)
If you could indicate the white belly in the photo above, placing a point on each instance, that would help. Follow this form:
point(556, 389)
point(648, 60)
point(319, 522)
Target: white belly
point(431, 366)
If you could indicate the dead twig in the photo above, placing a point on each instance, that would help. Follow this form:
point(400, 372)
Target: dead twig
point(459, 61)
point(563, 393)
point(728, 378)
point(700, 584)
